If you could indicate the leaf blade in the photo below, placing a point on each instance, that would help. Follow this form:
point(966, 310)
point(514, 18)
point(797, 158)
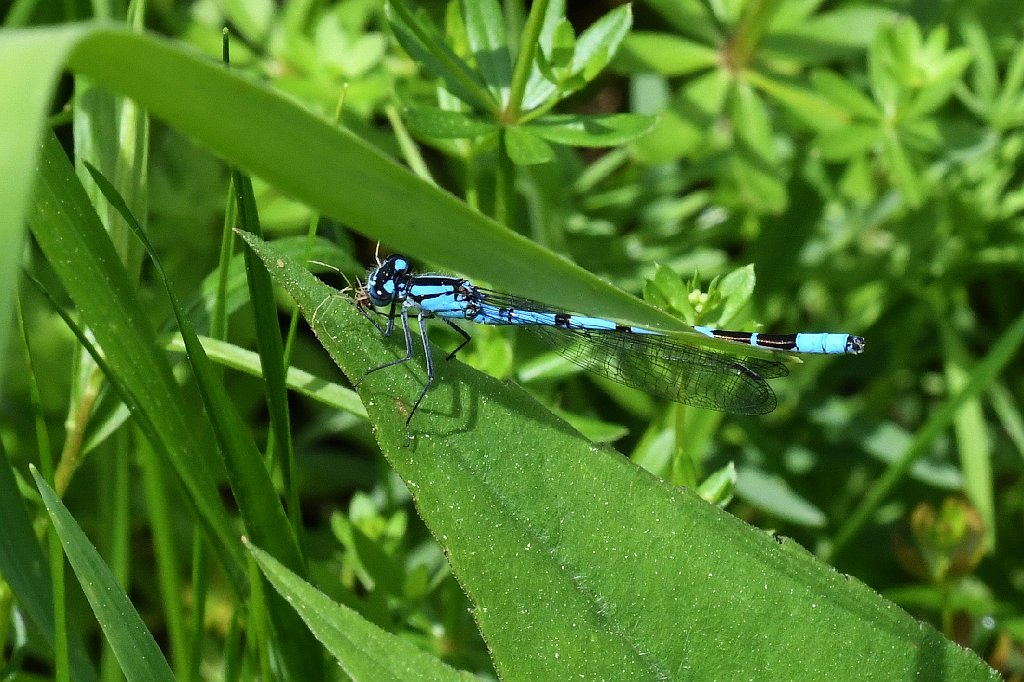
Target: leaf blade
point(364, 651)
point(593, 130)
point(133, 645)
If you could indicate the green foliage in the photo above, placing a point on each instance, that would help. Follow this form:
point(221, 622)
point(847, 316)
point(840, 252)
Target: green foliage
point(761, 165)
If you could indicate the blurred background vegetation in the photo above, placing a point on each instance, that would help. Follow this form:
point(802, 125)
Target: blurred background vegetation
point(863, 157)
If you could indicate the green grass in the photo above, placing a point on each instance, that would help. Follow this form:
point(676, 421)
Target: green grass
point(844, 170)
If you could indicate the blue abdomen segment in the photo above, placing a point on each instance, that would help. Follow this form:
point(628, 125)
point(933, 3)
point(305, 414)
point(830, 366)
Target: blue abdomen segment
point(829, 344)
point(803, 342)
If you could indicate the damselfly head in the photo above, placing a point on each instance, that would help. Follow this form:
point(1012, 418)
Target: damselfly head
point(388, 282)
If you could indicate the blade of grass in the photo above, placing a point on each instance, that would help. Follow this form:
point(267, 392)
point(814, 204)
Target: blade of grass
point(971, 432)
point(59, 636)
point(271, 350)
point(427, 221)
point(22, 121)
point(202, 311)
point(114, 522)
point(136, 650)
point(364, 651)
point(160, 514)
point(217, 284)
point(327, 392)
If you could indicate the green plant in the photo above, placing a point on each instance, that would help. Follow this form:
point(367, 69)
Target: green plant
point(862, 164)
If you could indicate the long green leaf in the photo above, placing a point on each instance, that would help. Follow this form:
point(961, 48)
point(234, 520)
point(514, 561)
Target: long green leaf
point(268, 340)
point(973, 442)
point(133, 645)
point(336, 172)
point(364, 651)
point(22, 120)
point(301, 381)
point(582, 565)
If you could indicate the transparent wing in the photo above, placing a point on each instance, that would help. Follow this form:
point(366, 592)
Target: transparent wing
point(661, 365)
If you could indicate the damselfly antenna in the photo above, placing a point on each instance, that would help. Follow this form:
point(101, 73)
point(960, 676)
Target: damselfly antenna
point(359, 293)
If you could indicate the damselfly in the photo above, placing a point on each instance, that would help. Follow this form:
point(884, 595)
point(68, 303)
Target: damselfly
point(655, 362)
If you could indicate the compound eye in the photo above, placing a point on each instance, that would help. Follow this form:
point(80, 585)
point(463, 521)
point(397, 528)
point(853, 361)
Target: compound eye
point(401, 266)
point(376, 288)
